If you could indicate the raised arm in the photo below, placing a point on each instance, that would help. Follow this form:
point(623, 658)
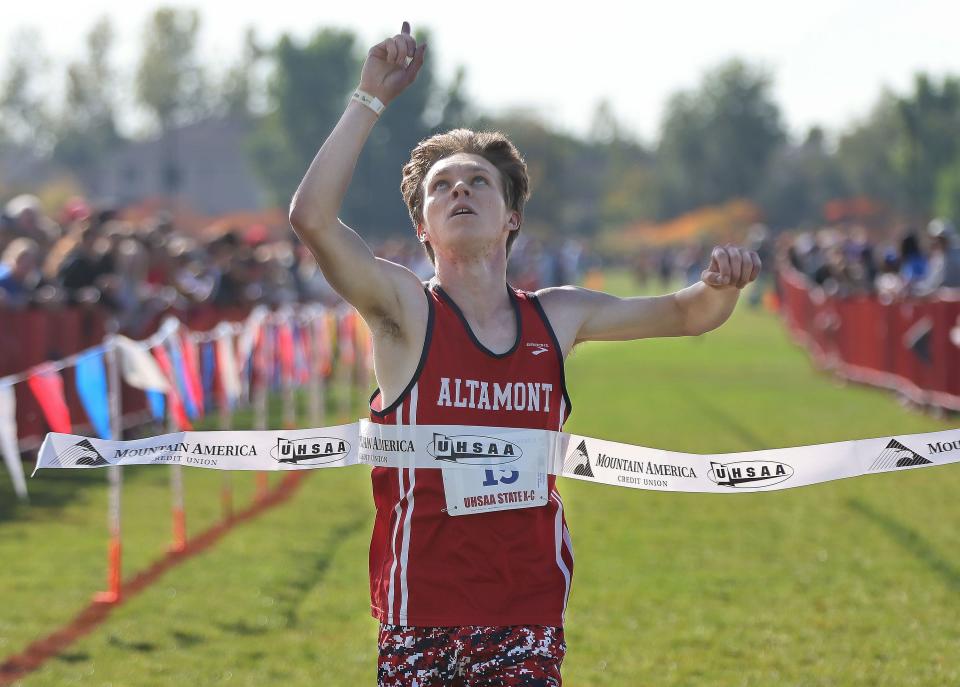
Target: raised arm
point(375, 287)
point(583, 315)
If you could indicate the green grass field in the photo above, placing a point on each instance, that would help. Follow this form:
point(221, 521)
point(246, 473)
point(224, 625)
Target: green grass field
point(854, 582)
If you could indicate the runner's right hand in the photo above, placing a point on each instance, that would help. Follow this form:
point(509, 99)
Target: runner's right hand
point(385, 72)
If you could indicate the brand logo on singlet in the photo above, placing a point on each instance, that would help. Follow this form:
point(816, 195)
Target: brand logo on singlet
point(533, 397)
point(896, 455)
point(538, 348)
point(472, 449)
point(749, 474)
point(312, 451)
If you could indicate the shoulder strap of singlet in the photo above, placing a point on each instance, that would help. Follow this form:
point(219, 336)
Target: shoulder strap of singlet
point(427, 338)
point(538, 306)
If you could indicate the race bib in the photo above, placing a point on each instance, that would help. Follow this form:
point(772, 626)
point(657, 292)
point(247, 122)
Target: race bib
point(482, 490)
point(487, 470)
point(483, 468)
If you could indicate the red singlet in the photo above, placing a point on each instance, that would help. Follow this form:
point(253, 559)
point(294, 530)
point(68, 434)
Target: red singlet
point(510, 567)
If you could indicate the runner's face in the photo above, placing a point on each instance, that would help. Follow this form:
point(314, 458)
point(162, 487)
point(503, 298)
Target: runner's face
point(464, 208)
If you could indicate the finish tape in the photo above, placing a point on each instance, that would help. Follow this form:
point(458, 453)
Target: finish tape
point(498, 452)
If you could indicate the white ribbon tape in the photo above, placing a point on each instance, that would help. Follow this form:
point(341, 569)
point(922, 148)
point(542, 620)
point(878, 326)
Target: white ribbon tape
point(500, 449)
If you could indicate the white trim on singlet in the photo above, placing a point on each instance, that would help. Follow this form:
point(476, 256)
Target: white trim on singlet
point(405, 545)
point(561, 534)
point(398, 509)
point(566, 540)
point(561, 537)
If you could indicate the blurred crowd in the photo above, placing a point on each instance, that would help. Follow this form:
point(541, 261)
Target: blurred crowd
point(535, 264)
point(87, 255)
point(852, 261)
point(93, 256)
point(684, 264)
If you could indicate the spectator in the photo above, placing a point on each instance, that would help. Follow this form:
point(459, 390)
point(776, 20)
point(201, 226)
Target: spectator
point(126, 291)
point(665, 267)
point(861, 268)
point(944, 262)
point(84, 264)
point(76, 210)
point(913, 263)
point(158, 259)
point(26, 220)
point(19, 272)
point(223, 271)
point(189, 274)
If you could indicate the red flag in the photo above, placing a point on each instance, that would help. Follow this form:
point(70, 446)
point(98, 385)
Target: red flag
point(173, 398)
point(47, 385)
point(218, 392)
point(285, 350)
point(303, 362)
point(191, 364)
point(333, 333)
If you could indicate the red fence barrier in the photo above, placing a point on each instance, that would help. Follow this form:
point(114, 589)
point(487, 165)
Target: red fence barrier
point(911, 345)
point(30, 337)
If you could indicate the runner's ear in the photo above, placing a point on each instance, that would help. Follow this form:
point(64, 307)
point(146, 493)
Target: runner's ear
point(514, 221)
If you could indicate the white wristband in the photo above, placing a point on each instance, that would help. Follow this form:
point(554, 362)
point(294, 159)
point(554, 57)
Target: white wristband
point(370, 101)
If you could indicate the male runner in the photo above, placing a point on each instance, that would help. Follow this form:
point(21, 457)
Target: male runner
point(476, 599)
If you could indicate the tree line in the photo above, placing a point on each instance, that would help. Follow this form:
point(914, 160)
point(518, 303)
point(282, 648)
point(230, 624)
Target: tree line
point(722, 140)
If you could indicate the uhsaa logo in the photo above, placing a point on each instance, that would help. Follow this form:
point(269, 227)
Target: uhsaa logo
point(471, 449)
point(312, 451)
point(749, 474)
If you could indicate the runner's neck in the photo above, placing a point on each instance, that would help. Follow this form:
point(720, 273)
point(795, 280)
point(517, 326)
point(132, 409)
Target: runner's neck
point(479, 289)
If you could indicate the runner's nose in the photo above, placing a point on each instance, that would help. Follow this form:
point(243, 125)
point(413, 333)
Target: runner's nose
point(461, 188)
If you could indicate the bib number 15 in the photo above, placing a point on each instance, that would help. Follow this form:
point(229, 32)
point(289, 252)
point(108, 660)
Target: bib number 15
point(506, 477)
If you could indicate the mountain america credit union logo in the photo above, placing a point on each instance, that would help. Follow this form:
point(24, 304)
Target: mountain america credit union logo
point(82, 453)
point(749, 474)
point(642, 473)
point(312, 451)
point(579, 459)
point(896, 455)
point(471, 449)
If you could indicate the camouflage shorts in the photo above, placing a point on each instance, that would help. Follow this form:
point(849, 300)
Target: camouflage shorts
point(471, 656)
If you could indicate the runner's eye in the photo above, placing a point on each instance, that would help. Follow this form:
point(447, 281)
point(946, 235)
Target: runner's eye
point(479, 178)
point(438, 184)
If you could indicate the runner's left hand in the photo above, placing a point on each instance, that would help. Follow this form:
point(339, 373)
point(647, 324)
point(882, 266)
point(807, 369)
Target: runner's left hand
point(731, 267)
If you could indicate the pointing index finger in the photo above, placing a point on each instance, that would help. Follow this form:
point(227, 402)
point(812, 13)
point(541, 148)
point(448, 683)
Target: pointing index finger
point(405, 28)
